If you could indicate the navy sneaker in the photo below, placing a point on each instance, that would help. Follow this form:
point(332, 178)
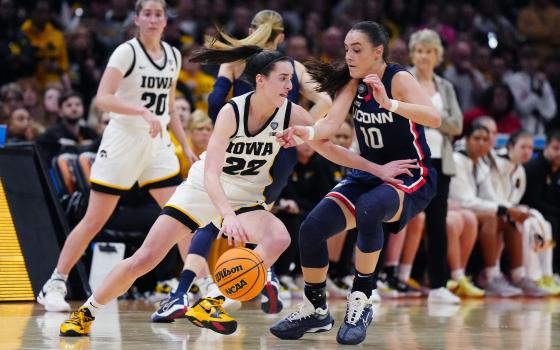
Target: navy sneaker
point(306, 320)
point(171, 308)
point(359, 314)
point(270, 298)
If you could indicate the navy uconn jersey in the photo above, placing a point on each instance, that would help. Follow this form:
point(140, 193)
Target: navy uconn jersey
point(384, 136)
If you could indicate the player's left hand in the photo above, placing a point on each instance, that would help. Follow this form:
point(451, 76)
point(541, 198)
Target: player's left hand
point(292, 136)
point(232, 228)
point(377, 89)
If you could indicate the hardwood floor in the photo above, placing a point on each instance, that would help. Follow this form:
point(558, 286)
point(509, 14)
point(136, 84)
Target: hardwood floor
point(400, 324)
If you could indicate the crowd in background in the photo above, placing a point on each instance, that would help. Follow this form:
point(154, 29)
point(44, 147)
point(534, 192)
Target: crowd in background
point(502, 59)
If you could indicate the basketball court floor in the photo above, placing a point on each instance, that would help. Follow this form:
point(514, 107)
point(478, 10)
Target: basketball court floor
point(403, 324)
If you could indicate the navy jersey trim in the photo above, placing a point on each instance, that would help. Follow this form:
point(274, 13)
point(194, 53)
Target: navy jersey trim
point(150, 58)
point(133, 61)
point(287, 115)
point(236, 110)
point(246, 118)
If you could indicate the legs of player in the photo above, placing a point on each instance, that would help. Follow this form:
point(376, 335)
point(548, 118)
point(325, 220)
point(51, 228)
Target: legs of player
point(165, 232)
point(100, 208)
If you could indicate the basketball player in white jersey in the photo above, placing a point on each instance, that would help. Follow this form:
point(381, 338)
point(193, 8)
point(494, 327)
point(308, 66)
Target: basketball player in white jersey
point(138, 89)
point(226, 185)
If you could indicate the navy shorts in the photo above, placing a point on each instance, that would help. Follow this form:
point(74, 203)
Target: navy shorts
point(418, 192)
point(282, 169)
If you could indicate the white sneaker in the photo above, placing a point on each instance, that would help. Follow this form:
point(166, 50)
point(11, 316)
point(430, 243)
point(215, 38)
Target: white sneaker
point(52, 296)
point(292, 287)
point(229, 304)
point(442, 296)
point(385, 291)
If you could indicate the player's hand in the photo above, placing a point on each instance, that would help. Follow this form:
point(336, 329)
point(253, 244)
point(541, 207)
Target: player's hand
point(389, 172)
point(153, 122)
point(518, 214)
point(191, 157)
point(232, 228)
point(377, 89)
point(289, 137)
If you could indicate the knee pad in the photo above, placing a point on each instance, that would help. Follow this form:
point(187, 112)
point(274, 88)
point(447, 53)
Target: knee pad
point(203, 239)
point(372, 209)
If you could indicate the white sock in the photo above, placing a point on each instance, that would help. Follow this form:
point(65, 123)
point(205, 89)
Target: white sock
point(404, 272)
point(492, 272)
point(56, 275)
point(518, 273)
point(457, 274)
point(93, 305)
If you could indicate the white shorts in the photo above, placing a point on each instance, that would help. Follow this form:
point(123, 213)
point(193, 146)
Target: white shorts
point(129, 154)
point(191, 205)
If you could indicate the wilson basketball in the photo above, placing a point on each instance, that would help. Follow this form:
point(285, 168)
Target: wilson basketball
point(240, 274)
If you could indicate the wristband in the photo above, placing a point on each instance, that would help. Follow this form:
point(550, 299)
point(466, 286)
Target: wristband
point(394, 105)
point(310, 132)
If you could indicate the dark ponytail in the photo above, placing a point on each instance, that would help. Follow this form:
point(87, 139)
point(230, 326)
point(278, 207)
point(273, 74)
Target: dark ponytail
point(259, 61)
point(331, 78)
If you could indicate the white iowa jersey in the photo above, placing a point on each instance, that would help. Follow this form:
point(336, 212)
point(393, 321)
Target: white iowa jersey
point(145, 82)
point(248, 158)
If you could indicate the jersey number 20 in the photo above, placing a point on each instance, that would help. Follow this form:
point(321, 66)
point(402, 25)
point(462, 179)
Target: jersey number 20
point(372, 136)
point(154, 99)
point(239, 166)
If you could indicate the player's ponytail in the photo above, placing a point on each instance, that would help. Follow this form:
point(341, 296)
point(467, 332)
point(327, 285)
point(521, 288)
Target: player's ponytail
point(267, 25)
point(330, 78)
point(259, 61)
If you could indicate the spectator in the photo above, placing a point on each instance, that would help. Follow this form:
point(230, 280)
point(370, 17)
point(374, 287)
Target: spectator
point(332, 41)
point(539, 23)
point(110, 29)
point(51, 104)
point(399, 52)
point(194, 79)
point(184, 108)
point(534, 99)
point(543, 187)
point(497, 103)
point(19, 126)
point(468, 80)
point(297, 47)
point(49, 44)
point(67, 135)
point(426, 52)
point(10, 99)
point(15, 50)
point(85, 60)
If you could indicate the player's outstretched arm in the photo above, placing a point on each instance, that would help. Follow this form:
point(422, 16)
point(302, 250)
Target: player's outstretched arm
point(349, 159)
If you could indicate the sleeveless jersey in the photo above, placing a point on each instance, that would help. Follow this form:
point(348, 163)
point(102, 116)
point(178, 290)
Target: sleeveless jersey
point(249, 157)
point(241, 87)
point(145, 82)
point(384, 136)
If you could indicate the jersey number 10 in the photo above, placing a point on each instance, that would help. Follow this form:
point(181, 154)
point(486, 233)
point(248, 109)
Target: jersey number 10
point(154, 99)
point(372, 137)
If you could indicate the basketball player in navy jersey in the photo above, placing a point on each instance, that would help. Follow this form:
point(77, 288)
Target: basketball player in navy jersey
point(267, 31)
point(226, 185)
point(389, 108)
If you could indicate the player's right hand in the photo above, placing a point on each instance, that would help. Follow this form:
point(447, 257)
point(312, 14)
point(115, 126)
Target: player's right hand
point(232, 228)
point(389, 172)
point(153, 122)
point(289, 137)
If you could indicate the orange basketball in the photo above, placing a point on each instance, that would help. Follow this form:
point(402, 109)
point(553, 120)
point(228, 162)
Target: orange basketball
point(240, 274)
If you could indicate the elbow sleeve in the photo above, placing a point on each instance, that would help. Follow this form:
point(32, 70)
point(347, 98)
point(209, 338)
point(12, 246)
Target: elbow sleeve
point(217, 97)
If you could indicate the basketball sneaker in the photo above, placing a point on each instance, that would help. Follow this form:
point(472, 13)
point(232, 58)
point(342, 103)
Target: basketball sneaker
point(78, 324)
point(290, 284)
point(209, 313)
point(52, 296)
point(442, 295)
point(171, 308)
point(214, 292)
point(359, 314)
point(307, 319)
point(270, 300)
point(465, 288)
